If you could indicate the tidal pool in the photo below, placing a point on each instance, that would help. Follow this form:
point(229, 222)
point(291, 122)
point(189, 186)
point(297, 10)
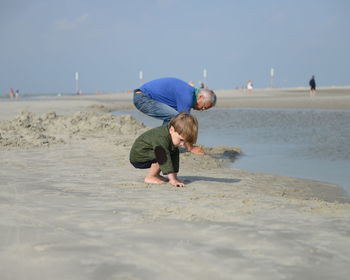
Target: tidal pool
point(305, 143)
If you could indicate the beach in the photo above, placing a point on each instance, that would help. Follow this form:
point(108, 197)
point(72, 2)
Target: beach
point(72, 206)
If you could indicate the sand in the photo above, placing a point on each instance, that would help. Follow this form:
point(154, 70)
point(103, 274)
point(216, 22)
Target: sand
point(72, 207)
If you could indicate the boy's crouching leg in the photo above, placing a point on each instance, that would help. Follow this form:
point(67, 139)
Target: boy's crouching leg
point(153, 176)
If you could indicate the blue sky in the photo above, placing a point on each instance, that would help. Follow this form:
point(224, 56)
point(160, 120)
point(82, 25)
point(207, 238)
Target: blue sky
point(44, 42)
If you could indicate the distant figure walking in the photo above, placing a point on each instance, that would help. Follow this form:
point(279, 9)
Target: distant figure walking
point(191, 83)
point(312, 84)
point(17, 93)
point(11, 93)
point(202, 85)
point(250, 85)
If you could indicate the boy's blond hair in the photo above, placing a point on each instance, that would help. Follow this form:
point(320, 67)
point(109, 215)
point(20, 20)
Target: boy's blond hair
point(186, 125)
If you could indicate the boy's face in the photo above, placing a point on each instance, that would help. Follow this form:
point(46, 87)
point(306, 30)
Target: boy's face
point(176, 138)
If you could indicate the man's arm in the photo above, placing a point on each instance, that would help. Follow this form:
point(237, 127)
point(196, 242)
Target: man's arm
point(197, 150)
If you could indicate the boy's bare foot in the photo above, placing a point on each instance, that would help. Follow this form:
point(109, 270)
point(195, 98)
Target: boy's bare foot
point(154, 180)
point(164, 179)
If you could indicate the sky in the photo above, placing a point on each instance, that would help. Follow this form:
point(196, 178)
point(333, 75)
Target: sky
point(43, 43)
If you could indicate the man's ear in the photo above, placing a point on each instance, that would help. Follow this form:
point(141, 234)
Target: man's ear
point(171, 129)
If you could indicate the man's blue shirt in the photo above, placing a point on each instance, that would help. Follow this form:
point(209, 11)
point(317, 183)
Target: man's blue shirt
point(172, 92)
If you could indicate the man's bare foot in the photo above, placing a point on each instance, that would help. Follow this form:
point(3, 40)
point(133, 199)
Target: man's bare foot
point(154, 180)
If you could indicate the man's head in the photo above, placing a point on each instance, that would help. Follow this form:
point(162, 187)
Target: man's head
point(183, 129)
point(206, 99)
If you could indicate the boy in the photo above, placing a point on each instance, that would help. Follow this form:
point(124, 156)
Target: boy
point(157, 149)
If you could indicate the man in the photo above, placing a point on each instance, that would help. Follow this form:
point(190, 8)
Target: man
point(164, 98)
point(312, 84)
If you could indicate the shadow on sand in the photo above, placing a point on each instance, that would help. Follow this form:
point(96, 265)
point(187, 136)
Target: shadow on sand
point(191, 179)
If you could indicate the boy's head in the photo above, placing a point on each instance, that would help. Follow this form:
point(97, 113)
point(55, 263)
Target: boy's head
point(183, 128)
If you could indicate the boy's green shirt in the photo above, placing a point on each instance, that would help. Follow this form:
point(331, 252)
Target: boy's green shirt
point(143, 149)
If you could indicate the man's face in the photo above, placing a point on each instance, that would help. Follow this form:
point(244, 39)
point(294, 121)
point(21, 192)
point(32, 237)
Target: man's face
point(176, 138)
point(202, 104)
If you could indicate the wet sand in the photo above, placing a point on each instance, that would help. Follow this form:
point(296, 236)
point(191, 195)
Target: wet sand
point(72, 207)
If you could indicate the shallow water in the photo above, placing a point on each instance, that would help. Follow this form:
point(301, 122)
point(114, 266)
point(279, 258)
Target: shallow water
point(304, 143)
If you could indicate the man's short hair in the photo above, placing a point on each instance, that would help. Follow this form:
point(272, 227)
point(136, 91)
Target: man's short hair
point(209, 95)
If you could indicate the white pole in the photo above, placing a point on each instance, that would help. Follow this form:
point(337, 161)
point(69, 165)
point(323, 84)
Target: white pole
point(272, 74)
point(76, 82)
point(205, 74)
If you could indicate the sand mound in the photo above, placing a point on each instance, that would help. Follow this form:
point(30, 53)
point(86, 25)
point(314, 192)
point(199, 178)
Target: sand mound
point(30, 130)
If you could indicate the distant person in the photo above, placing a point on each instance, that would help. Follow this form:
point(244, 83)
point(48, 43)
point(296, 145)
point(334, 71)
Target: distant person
point(191, 83)
point(312, 84)
point(250, 85)
point(157, 149)
point(17, 93)
point(164, 98)
point(11, 93)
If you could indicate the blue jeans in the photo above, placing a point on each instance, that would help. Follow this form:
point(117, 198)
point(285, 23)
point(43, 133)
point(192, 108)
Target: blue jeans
point(154, 108)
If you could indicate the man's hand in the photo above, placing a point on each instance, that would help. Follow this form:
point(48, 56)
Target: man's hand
point(197, 150)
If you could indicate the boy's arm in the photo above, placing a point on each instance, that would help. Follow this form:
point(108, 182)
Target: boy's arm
point(168, 161)
point(174, 181)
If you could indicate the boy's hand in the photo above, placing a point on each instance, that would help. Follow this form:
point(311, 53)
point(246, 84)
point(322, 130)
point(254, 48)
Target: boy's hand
point(174, 181)
point(177, 183)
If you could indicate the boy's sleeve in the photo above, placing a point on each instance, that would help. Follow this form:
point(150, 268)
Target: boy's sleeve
point(168, 161)
point(175, 158)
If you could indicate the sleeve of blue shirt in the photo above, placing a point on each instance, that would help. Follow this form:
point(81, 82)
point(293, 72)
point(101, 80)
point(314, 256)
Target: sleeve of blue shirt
point(184, 94)
point(184, 101)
